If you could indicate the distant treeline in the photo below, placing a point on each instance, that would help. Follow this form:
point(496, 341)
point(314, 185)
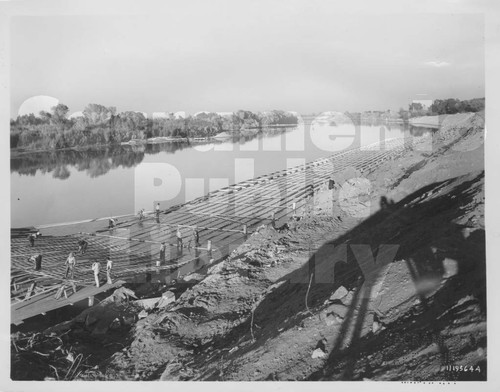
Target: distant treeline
point(416, 109)
point(443, 106)
point(101, 125)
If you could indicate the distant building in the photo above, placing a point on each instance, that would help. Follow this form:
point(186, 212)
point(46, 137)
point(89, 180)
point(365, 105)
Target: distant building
point(426, 103)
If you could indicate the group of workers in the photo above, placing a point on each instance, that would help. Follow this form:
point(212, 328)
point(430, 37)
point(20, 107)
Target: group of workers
point(141, 215)
point(70, 262)
point(96, 267)
point(195, 240)
point(163, 247)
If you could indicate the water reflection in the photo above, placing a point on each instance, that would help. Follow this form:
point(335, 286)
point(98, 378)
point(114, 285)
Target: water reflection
point(94, 162)
point(97, 162)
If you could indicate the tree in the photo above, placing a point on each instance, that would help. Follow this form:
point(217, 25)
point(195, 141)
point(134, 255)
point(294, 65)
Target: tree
point(45, 116)
point(415, 106)
point(98, 114)
point(59, 112)
point(403, 114)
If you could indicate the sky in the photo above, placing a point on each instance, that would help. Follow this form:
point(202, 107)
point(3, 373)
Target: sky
point(225, 55)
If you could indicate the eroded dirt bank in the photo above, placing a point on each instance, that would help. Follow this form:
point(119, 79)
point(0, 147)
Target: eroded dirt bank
point(337, 294)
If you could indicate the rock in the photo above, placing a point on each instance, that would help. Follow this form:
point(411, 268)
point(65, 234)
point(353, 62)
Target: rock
point(376, 326)
point(318, 353)
point(167, 298)
point(333, 319)
point(340, 293)
point(194, 277)
point(142, 314)
point(149, 303)
point(115, 324)
point(322, 345)
point(450, 267)
point(169, 372)
point(347, 300)
point(338, 309)
point(216, 269)
point(122, 293)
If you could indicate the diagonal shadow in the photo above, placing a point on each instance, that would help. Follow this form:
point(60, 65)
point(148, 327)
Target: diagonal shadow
point(418, 229)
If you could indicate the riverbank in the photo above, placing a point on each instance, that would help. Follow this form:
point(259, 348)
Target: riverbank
point(278, 308)
point(444, 120)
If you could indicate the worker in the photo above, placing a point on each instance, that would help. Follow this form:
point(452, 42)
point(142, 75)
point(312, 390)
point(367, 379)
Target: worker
point(31, 238)
point(179, 238)
point(196, 236)
point(157, 209)
point(70, 265)
point(82, 246)
point(141, 214)
point(209, 248)
point(109, 267)
point(112, 223)
point(96, 267)
point(37, 261)
point(163, 247)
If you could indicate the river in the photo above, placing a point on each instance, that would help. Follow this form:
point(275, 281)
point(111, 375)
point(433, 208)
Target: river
point(66, 186)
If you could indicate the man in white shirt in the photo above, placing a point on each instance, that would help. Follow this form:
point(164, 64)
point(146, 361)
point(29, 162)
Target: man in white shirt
point(96, 267)
point(70, 265)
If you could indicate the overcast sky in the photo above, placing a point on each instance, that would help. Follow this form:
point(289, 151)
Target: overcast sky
point(225, 56)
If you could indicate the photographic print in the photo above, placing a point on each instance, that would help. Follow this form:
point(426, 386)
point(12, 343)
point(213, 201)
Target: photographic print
point(247, 191)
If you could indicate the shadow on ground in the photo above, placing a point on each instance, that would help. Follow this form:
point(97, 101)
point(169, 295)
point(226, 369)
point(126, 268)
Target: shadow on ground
point(418, 230)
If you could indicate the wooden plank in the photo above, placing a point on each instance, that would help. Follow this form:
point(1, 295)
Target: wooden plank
point(46, 303)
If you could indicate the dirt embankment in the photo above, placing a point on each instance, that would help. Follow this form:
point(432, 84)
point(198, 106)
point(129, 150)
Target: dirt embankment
point(397, 295)
point(445, 120)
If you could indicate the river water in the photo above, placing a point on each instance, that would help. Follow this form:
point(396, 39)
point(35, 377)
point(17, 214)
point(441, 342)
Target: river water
point(66, 186)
